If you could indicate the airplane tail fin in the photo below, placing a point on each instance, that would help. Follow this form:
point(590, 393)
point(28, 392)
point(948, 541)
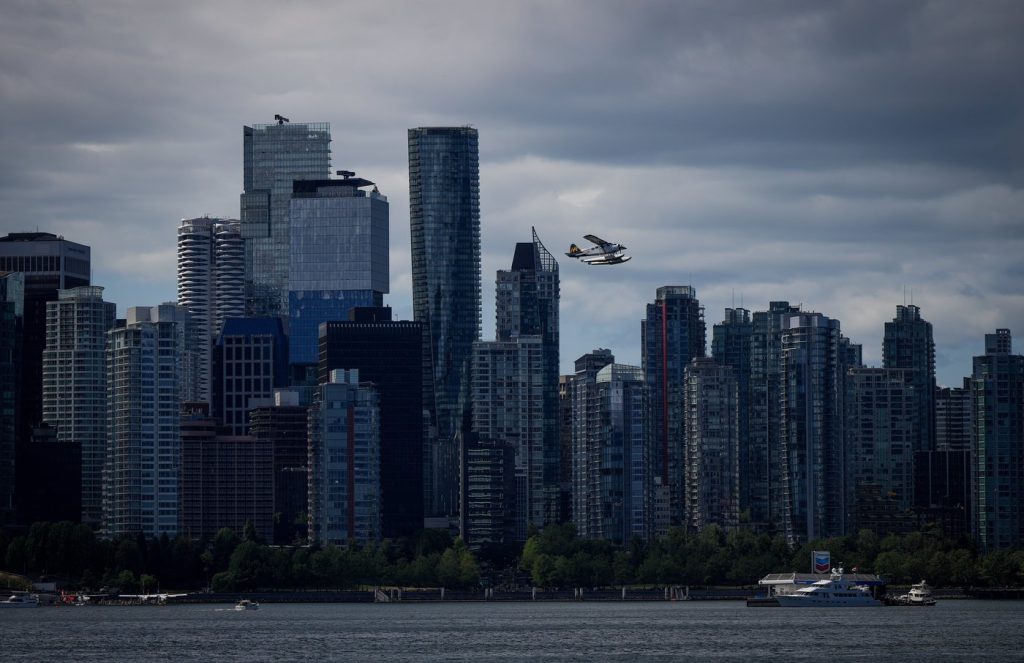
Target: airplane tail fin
point(573, 248)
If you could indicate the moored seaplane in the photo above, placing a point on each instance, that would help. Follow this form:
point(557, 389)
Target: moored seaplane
point(602, 253)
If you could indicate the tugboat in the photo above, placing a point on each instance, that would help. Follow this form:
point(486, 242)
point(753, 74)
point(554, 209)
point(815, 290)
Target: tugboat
point(834, 592)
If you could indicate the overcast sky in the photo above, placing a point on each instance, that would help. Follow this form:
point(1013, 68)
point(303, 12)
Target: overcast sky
point(831, 154)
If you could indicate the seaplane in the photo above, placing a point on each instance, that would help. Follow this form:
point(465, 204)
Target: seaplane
point(602, 253)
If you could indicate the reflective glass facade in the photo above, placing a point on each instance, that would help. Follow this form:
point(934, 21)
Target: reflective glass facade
point(816, 486)
point(997, 396)
point(526, 304)
point(908, 344)
point(339, 257)
point(712, 445)
point(730, 346)
point(344, 453)
point(274, 156)
point(444, 214)
point(671, 334)
point(390, 355)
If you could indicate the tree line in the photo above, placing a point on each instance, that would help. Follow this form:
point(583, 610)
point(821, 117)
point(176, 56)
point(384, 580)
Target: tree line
point(552, 557)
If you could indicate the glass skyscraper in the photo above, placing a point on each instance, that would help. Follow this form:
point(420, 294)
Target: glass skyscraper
point(339, 257)
point(444, 215)
point(526, 305)
point(997, 395)
point(671, 335)
point(908, 344)
point(274, 156)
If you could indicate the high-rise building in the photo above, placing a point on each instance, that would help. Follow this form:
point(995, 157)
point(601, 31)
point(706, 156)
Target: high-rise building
point(815, 487)
point(522, 366)
point(250, 361)
point(997, 393)
point(344, 454)
point(711, 402)
point(953, 418)
point(49, 263)
point(49, 478)
point(12, 316)
point(339, 257)
point(226, 480)
point(388, 354)
point(764, 451)
point(444, 215)
point(150, 372)
point(489, 507)
point(908, 344)
point(508, 408)
point(881, 418)
point(274, 156)
point(283, 424)
point(211, 282)
point(586, 442)
point(671, 335)
point(730, 346)
point(613, 457)
point(75, 383)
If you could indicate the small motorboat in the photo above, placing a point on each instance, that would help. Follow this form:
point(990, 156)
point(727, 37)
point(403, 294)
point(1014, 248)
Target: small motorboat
point(246, 604)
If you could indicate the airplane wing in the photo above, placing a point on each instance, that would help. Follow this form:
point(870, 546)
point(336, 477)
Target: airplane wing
point(595, 239)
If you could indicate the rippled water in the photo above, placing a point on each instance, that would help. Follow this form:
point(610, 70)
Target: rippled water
point(724, 630)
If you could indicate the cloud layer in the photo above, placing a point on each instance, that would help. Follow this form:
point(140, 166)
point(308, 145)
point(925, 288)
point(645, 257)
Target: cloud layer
point(834, 154)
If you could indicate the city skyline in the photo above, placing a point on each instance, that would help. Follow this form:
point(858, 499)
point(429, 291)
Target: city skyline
point(834, 156)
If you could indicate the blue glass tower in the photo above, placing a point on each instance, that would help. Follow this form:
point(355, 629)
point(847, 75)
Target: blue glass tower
point(339, 257)
point(444, 219)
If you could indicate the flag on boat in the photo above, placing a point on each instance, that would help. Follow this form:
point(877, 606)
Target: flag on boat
point(821, 561)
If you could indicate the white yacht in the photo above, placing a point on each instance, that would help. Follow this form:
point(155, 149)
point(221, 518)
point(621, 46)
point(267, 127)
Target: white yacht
point(919, 594)
point(833, 592)
point(20, 601)
point(246, 604)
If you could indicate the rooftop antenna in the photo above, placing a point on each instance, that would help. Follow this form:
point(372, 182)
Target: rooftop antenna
point(734, 297)
point(904, 294)
point(281, 119)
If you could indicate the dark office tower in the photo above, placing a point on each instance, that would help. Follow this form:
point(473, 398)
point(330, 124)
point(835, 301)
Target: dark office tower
point(211, 282)
point(671, 335)
point(75, 383)
point(488, 513)
point(282, 423)
point(811, 432)
point(953, 418)
point(226, 480)
point(339, 257)
point(997, 392)
point(730, 346)
point(881, 417)
point(250, 361)
point(49, 263)
point(49, 479)
point(908, 344)
point(274, 156)
point(711, 399)
point(444, 215)
point(388, 354)
point(764, 482)
point(12, 313)
point(526, 304)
